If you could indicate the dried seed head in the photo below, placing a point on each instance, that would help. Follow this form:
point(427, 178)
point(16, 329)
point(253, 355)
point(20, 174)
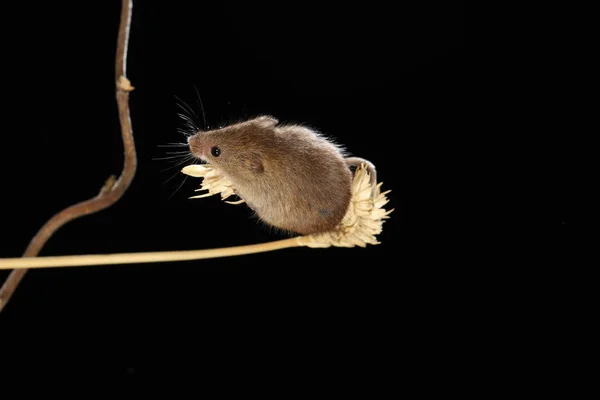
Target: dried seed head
point(360, 226)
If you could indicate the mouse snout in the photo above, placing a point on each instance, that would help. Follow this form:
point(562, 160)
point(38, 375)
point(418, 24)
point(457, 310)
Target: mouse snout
point(197, 146)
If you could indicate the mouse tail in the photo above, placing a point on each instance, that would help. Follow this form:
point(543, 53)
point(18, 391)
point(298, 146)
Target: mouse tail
point(357, 161)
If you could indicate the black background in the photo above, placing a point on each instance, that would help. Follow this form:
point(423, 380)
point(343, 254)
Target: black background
point(394, 83)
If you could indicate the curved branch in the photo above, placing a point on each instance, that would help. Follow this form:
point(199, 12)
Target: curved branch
point(113, 189)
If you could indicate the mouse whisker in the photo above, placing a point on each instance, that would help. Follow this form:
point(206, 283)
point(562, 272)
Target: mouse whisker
point(201, 106)
point(185, 107)
point(183, 130)
point(168, 157)
point(178, 165)
point(188, 121)
point(178, 187)
point(177, 156)
point(181, 162)
point(197, 160)
point(186, 132)
point(173, 145)
point(185, 117)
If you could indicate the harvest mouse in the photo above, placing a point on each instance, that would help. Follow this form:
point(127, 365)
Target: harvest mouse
point(293, 177)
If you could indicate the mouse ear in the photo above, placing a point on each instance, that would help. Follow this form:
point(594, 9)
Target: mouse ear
point(266, 121)
point(254, 163)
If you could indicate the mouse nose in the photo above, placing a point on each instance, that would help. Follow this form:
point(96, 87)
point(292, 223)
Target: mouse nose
point(196, 146)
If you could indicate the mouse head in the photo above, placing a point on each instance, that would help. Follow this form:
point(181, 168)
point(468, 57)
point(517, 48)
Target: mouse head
point(238, 149)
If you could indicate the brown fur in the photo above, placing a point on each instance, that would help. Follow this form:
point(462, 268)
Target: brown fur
point(293, 178)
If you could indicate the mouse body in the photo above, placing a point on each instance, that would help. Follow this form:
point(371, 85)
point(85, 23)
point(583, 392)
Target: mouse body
point(293, 177)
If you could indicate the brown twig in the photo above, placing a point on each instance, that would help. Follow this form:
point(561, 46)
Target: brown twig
point(113, 189)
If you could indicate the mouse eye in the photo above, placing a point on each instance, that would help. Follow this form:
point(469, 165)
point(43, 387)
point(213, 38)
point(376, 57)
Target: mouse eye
point(215, 151)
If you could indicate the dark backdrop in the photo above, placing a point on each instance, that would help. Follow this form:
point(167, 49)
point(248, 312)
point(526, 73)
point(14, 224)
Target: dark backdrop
point(393, 83)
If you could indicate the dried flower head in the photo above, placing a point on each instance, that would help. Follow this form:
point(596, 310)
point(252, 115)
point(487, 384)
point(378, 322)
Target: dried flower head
point(362, 223)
